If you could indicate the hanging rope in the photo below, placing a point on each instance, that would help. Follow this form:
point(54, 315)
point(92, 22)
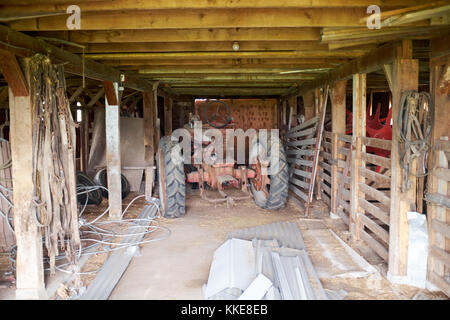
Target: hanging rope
point(74, 44)
point(415, 123)
point(54, 203)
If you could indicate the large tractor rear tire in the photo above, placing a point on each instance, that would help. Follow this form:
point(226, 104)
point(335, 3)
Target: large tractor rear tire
point(172, 189)
point(275, 195)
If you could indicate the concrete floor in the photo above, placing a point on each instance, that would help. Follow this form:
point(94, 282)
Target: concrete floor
point(177, 267)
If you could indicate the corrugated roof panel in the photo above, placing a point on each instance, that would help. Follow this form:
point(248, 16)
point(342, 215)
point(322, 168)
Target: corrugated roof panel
point(286, 233)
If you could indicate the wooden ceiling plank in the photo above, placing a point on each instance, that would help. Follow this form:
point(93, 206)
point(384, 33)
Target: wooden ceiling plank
point(228, 55)
point(375, 60)
point(15, 6)
point(239, 62)
point(246, 77)
point(12, 39)
point(213, 18)
point(213, 46)
point(361, 34)
point(206, 70)
point(182, 35)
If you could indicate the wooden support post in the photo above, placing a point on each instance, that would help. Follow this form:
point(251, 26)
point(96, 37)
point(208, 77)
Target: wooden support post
point(283, 131)
point(359, 131)
point(278, 112)
point(29, 262)
point(317, 107)
point(283, 113)
point(167, 116)
point(317, 98)
point(292, 118)
point(405, 76)
point(338, 122)
point(157, 118)
point(84, 145)
point(308, 102)
point(149, 140)
point(182, 115)
point(113, 161)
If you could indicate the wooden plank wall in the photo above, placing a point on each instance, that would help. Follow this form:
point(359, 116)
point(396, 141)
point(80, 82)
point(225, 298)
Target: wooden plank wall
point(438, 220)
point(374, 199)
point(248, 113)
point(300, 151)
point(376, 202)
point(342, 205)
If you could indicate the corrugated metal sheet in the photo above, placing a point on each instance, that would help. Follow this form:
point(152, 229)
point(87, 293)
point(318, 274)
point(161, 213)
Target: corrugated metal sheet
point(281, 256)
point(286, 233)
point(107, 278)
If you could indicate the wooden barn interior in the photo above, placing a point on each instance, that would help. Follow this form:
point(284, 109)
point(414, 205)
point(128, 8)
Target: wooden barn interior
point(358, 90)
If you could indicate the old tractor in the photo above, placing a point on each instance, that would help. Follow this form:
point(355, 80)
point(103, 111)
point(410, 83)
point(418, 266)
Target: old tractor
point(253, 179)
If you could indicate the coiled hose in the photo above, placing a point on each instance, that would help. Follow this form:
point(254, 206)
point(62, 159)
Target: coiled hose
point(415, 124)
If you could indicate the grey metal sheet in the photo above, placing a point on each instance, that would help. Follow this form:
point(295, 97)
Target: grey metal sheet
point(286, 233)
point(227, 294)
point(280, 274)
point(281, 256)
point(308, 274)
point(107, 278)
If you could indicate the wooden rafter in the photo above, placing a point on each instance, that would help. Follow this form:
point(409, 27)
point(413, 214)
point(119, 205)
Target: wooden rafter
point(182, 35)
point(11, 7)
point(10, 40)
point(212, 18)
point(12, 71)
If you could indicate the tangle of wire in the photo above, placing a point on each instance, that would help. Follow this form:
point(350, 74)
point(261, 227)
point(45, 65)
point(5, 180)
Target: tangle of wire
point(97, 234)
point(409, 124)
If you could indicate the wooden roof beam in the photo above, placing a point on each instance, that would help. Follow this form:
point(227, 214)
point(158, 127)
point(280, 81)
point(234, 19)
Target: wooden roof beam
point(10, 68)
point(24, 45)
point(200, 46)
point(12, 7)
point(217, 70)
point(211, 18)
point(238, 62)
point(183, 35)
point(228, 55)
point(233, 77)
point(233, 91)
point(374, 60)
